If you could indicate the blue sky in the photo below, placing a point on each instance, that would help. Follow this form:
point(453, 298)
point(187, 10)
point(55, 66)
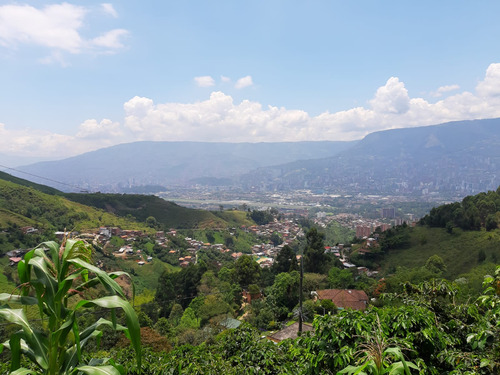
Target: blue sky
point(81, 75)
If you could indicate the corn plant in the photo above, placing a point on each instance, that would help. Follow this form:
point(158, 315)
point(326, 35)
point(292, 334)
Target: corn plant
point(50, 275)
point(379, 357)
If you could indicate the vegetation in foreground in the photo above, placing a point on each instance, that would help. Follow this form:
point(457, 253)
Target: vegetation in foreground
point(57, 279)
point(422, 331)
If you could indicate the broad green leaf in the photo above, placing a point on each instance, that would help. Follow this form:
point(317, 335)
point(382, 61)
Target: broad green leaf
point(99, 370)
point(23, 371)
point(34, 340)
point(14, 298)
point(111, 285)
point(134, 330)
point(46, 279)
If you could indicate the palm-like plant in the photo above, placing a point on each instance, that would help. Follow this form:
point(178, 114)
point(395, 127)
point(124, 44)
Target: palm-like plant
point(50, 274)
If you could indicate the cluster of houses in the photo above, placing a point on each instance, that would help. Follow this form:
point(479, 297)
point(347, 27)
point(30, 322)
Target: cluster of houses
point(287, 229)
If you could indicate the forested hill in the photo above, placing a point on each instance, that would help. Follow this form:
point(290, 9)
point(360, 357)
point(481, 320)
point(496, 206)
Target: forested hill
point(166, 214)
point(473, 213)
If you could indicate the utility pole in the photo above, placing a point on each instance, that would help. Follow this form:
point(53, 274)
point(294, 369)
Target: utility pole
point(300, 292)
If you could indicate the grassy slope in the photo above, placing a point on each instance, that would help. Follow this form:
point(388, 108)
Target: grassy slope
point(459, 250)
point(336, 233)
point(42, 188)
point(167, 213)
point(142, 206)
point(26, 206)
point(235, 218)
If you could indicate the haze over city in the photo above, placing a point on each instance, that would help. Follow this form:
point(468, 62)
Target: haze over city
point(81, 76)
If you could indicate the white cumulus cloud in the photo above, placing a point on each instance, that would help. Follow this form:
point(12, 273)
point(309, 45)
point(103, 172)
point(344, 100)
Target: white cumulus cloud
point(56, 27)
point(110, 40)
point(490, 86)
point(244, 82)
point(391, 98)
point(204, 81)
point(220, 118)
point(94, 129)
point(109, 9)
point(444, 89)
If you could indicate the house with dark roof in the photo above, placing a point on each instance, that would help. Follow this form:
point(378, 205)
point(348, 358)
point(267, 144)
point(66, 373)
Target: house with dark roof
point(344, 298)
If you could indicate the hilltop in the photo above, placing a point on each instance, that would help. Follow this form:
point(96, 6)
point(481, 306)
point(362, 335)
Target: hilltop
point(27, 206)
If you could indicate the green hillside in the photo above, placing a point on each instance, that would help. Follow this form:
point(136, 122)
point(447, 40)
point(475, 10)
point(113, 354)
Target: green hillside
point(26, 206)
point(167, 214)
point(42, 188)
point(461, 251)
point(464, 235)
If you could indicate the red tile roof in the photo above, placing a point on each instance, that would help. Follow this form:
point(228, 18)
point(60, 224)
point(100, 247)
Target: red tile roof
point(345, 298)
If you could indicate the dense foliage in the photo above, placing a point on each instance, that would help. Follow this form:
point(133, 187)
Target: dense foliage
point(473, 213)
point(420, 331)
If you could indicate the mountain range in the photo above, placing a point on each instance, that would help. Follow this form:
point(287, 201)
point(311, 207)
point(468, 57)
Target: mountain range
point(456, 158)
point(122, 167)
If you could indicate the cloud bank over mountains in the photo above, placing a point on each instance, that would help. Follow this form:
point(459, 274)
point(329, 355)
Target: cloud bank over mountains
point(219, 118)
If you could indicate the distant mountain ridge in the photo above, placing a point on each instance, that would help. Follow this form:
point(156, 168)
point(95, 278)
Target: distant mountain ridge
point(452, 159)
point(123, 166)
point(460, 157)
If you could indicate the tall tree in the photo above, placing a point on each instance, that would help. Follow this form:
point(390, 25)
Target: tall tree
point(285, 261)
point(315, 259)
point(247, 271)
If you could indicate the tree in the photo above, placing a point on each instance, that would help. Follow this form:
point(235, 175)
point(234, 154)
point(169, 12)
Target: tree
point(151, 222)
point(176, 314)
point(213, 306)
point(285, 290)
point(49, 280)
point(189, 320)
point(210, 237)
point(285, 261)
point(229, 242)
point(315, 259)
point(491, 222)
point(276, 239)
point(247, 270)
point(435, 264)
point(261, 217)
point(338, 278)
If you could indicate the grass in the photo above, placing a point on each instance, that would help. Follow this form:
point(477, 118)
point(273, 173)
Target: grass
point(140, 207)
point(6, 286)
point(336, 233)
point(459, 250)
point(26, 206)
point(145, 276)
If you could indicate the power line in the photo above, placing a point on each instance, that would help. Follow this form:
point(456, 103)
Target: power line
point(45, 178)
